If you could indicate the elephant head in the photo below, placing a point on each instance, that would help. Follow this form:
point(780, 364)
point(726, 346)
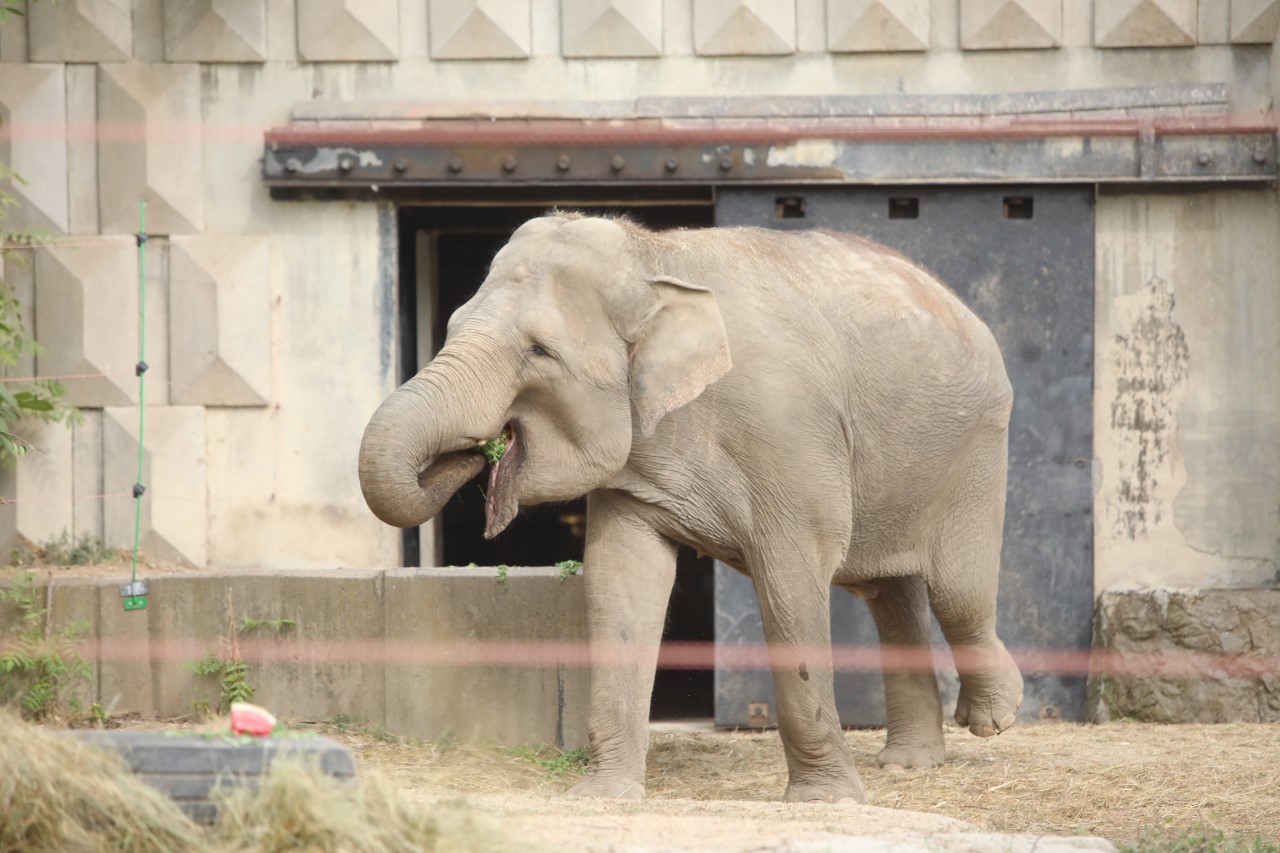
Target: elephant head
point(576, 340)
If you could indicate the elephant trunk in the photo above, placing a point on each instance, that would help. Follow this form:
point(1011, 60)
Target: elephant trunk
point(414, 456)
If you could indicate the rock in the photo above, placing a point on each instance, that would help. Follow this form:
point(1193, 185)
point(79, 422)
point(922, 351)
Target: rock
point(1186, 656)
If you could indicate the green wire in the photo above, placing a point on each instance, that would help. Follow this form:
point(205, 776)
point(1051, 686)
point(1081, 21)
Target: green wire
point(142, 374)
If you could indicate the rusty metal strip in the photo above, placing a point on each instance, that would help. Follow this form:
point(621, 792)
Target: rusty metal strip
point(1208, 148)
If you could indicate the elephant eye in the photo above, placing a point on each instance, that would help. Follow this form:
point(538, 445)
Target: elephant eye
point(537, 349)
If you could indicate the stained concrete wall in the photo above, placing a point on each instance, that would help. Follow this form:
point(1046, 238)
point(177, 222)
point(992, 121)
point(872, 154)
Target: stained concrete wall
point(109, 101)
point(433, 654)
point(1186, 405)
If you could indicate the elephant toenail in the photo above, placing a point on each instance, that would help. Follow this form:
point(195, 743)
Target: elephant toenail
point(1006, 721)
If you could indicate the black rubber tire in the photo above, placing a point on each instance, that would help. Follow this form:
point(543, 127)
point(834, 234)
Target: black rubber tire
point(191, 768)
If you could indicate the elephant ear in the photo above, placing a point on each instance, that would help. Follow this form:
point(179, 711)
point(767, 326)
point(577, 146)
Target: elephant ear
point(680, 349)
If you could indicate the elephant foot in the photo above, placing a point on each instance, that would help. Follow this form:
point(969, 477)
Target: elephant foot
point(845, 791)
point(607, 789)
point(902, 756)
point(989, 699)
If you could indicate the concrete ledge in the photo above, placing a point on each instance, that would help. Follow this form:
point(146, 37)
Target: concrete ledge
point(1187, 656)
point(1115, 100)
point(427, 653)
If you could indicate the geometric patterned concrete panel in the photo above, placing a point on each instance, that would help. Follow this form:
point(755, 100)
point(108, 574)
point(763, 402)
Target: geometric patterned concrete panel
point(348, 30)
point(174, 518)
point(156, 156)
point(81, 31)
point(878, 25)
point(219, 321)
point(1145, 23)
point(87, 319)
point(35, 96)
point(1254, 21)
point(1010, 24)
point(41, 483)
point(215, 30)
point(741, 27)
point(86, 467)
point(483, 29)
point(611, 28)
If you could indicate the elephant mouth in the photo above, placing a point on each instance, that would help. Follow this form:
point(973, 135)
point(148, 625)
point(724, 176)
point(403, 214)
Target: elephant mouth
point(502, 503)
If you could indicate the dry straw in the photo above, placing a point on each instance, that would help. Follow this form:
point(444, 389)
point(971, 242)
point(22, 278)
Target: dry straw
point(56, 793)
point(1123, 781)
point(59, 794)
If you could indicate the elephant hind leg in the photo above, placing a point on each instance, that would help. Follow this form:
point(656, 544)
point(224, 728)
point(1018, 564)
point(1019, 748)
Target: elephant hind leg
point(900, 607)
point(963, 581)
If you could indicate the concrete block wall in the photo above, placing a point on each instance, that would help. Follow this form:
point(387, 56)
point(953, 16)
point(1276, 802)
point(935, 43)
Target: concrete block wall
point(272, 324)
point(431, 654)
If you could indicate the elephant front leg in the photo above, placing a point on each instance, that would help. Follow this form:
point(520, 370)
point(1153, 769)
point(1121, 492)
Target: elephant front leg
point(795, 608)
point(629, 571)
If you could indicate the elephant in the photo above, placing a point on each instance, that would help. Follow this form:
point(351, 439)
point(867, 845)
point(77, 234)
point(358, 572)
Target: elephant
point(808, 407)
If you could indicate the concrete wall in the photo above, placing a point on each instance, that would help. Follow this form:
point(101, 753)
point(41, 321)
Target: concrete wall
point(432, 653)
point(1186, 406)
point(271, 325)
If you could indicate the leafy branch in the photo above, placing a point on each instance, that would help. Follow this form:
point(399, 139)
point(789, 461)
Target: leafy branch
point(12, 7)
point(38, 399)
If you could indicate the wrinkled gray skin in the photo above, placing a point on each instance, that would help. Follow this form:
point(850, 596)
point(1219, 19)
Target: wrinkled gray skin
point(808, 407)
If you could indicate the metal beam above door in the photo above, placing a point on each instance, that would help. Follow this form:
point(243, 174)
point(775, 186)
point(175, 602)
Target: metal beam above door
point(657, 152)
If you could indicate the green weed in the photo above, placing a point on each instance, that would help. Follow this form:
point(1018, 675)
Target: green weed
point(232, 678)
point(569, 567)
point(1200, 839)
point(39, 667)
point(556, 763)
point(502, 576)
point(64, 551)
point(276, 626)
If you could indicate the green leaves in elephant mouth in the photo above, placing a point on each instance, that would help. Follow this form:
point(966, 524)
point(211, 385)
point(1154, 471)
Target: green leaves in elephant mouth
point(501, 504)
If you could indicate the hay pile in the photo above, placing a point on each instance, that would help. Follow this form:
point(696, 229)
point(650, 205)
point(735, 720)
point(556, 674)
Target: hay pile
point(58, 794)
point(299, 808)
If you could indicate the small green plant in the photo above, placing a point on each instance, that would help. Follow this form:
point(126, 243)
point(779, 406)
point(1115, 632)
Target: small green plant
point(502, 576)
point(64, 551)
point(276, 626)
point(228, 669)
point(556, 763)
point(1200, 839)
point(347, 724)
point(494, 449)
point(232, 677)
point(39, 667)
point(569, 567)
point(97, 715)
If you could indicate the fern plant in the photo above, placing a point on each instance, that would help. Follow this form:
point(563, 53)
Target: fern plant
point(232, 677)
point(40, 668)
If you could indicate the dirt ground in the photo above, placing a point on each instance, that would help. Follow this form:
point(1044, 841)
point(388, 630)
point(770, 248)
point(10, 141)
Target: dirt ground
point(713, 790)
point(718, 790)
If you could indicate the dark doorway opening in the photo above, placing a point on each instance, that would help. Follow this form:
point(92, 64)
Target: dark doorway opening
point(444, 256)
